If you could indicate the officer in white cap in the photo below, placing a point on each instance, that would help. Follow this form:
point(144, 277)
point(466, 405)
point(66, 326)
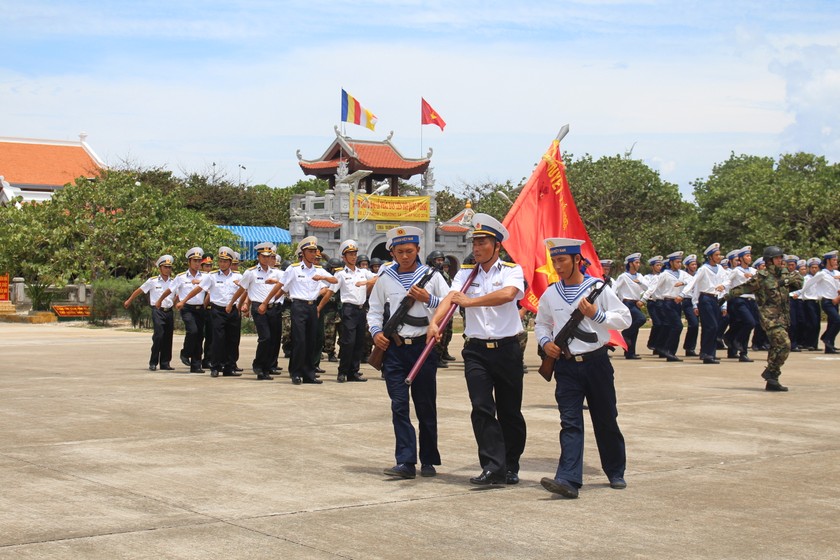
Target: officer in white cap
point(304, 282)
point(162, 320)
point(587, 373)
point(629, 288)
point(668, 291)
point(402, 350)
point(492, 353)
point(353, 287)
point(257, 282)
point(710, 284)
point(220, 286)
point(193, 312)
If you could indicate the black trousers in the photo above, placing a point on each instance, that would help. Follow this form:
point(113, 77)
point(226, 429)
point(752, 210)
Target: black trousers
point(225, 340)
point(163, 322)
point(670, 313)
point(304, 320)
point(812, 322)
point(264, 323)
point(693, 326)
point(194, 317)
point(710, 320)
point(655, 335)
point(351, 340)
point(631, 333)
point(494, 381)
point(209, 354)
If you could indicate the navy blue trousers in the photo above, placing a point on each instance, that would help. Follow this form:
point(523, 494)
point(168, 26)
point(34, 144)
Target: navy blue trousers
point(593, 380)
point(710, 319)
point(631, 333)
point(693, 326)
point(833, 326)
point(670, 313)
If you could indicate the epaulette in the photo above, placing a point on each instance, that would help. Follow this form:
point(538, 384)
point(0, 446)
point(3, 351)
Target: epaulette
point(318, 266)
point(155, 277)
point(508, 264)
point(181, 273)
point(214, 271)
point(252, 268)
point(467, 266)
point(295, 263)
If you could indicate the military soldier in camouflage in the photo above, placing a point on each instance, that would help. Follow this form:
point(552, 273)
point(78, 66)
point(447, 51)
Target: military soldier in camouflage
point(771, 287)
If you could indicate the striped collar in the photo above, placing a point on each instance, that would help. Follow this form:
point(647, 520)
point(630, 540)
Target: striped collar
point(415, 276)
point(570, 293)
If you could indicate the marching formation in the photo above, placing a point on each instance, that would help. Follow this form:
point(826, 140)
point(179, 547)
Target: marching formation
point(396, 316)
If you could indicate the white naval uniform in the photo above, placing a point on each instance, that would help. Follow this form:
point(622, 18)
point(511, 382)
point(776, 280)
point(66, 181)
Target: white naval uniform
point(155, 286)
point(184, 284)
point(500, 321)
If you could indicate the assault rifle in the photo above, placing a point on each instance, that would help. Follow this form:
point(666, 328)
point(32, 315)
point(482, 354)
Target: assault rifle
point(570, 331)
point(393, 324)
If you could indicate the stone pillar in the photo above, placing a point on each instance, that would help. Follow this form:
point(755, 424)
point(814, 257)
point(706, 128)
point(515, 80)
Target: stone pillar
point(18, 292)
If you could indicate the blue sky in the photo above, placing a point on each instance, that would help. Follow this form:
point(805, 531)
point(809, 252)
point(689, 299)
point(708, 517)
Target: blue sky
point(185, 84)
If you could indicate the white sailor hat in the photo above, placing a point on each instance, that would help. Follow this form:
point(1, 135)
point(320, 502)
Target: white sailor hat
point(813, 260)
point(724, 263)
point(310, 242)
point(830, 255)
point(265, 248)
point(401, 235)
point(655, 260)
point(236, 257)
point(486, 225)
point(226, 253)
point(606, 262)
point(632, 257)
point(758, 262)
point(791, 258)
point(732, 254)
point(675, 255)
point(164, 260)
point(712, 249)
point(563, 246)
point(690, 259)
point(349, 245)
point(195, 253)
point(747, 250)
point(800, 263)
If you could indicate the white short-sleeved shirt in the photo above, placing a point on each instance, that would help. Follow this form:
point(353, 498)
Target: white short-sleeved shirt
point(220, 286)
point(499, 321)
point(707, 279)
point(347, 280)
point(155, 286)
point(630, 286)
point(255, 281)
point(184, 283)
point(392, 287)
point(298, 283)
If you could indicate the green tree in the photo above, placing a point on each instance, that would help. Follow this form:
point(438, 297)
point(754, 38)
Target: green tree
point(751, 200)
point(627, 207)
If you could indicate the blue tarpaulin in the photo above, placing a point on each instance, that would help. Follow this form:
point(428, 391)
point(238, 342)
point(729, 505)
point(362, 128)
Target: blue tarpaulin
point(249, 236)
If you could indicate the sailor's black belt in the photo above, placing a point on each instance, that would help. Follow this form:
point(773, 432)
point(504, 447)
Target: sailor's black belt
point(306, 301)
point(165, 309)
point(708, 295)
point(268, 305)
point(494, 343)
point(630, 301)
point(414, 340)
point(219, 307)
point(353, 305)
point(193, 307)
point(602, 351)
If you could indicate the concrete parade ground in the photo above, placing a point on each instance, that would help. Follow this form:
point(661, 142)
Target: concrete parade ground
point(102, 459)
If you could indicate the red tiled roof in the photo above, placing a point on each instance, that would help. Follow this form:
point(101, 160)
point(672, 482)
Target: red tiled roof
point(380, 157)
point(31, 162)
point(383, 156)
point(323, 224)
point(453, 228)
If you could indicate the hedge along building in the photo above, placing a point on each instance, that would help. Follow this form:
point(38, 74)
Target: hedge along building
point(354, 207)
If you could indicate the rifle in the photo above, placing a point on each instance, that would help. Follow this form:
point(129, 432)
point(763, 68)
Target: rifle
point(393, 324)
point(443, 322)
point(570, 331)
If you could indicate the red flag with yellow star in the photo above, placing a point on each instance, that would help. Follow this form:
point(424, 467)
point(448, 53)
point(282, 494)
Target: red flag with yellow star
point(546, 208)
point(429, 115)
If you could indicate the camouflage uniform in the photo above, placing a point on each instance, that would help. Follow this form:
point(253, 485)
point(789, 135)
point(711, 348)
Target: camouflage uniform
point(442, 347)
point(331, 318)
point(286, 321)
point(771, 287)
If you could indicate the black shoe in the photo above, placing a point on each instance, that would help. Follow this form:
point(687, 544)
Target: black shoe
point(830, 350)
point(166, 367)
point(152, 367)
point(559, 487)
point(237, 368)
point(332, 358)
point(206, 365)
point(690, 354)
point(744, 358)
point(214, 372)
point(618, 483)
point(356, 377)
point(313, 381)
point(797, 349)
point(711, 361)
point(185, 360)
point(442, 364)
point(319, 370)
point(511, 477)
point(632, 357)
point(232, 374)
point(488, 477)
point(196, 370)
point(731, 355)
point(341, 378)
point(673, 358)
point(297, 380)
point(402, 470)
point(449, 357)
point(427, 470)
point(264, 377)
point(775, 386)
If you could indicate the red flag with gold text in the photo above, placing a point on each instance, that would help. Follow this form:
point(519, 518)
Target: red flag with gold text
point(546, 208)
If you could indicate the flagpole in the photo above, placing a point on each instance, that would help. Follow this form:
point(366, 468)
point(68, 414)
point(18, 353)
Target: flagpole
point(421, 127)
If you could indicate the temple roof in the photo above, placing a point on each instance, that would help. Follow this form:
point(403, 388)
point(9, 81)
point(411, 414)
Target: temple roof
point(382, 158)
point(455, 223)
point(46, 164)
